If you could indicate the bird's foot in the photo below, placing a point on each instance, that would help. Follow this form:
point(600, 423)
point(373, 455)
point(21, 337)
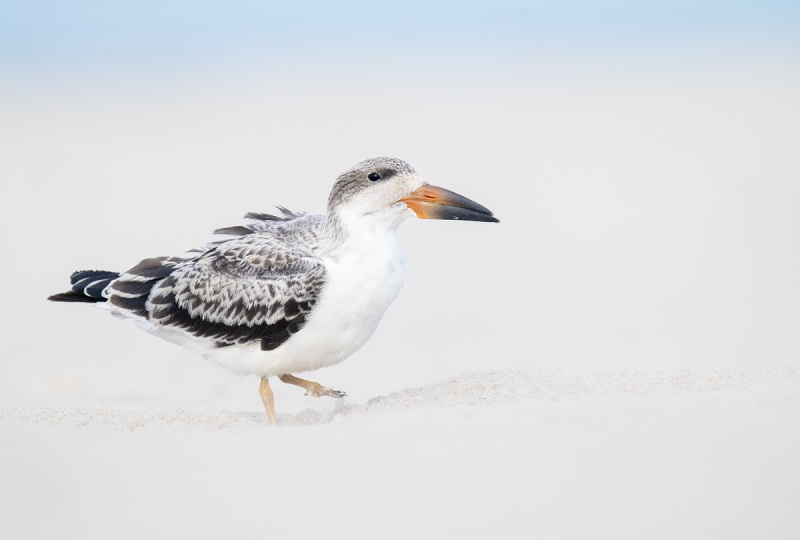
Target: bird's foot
point(312, 388)
point(320, 391)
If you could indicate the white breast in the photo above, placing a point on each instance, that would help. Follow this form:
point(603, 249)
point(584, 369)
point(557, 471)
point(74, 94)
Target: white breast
point(363, 277)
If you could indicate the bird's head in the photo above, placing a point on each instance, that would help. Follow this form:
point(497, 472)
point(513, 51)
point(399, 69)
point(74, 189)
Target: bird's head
point(390, 186)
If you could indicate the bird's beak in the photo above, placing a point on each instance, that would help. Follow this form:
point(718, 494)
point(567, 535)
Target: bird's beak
point(433, 202)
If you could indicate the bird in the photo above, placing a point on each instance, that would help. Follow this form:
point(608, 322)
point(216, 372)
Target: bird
point(289, 293)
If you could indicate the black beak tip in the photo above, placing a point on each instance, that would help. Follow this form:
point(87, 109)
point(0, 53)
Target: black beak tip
point(485, 218)
point(464, 214)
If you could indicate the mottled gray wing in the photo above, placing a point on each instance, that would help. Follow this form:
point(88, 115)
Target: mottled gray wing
point(252, 288)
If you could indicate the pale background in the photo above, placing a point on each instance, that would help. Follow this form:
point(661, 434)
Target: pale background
point(644, 160)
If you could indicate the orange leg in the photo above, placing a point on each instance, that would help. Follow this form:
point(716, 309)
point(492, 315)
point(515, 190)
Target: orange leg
point(267, 398)
point(311, 388)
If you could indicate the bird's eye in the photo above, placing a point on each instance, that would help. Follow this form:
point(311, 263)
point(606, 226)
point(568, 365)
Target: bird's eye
point(373, 177)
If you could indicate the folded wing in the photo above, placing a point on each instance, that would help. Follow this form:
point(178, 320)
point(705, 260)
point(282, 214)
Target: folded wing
point(258, 287)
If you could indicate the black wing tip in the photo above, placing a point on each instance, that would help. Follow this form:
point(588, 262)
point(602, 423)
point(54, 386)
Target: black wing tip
point(87, 286)
point(72, 296)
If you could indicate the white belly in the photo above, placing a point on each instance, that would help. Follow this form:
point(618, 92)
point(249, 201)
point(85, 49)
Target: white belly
point(361, 281)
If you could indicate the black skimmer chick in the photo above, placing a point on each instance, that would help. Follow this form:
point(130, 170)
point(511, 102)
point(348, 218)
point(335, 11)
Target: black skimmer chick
point(284, 294)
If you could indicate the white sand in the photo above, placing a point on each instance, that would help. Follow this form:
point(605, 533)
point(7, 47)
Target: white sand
point(502, 454)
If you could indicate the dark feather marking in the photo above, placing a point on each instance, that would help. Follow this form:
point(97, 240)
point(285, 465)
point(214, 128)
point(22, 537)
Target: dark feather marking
point(231, 311)
point(93, 274)
point(72, 296)
point(260, 216)
point(80, 284)
point(131, 304)
point(134, 287)
point(92, 282)
point(152, 268)
point(194, 303)
point(163, 300)
point(279, 335)
point(290, 308)
point(251, 312)
point(95, 289)
point(239, 230)
point(87, 286)
point(271, 335)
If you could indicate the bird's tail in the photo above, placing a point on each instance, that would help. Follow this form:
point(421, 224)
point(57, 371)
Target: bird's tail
point(87, 286)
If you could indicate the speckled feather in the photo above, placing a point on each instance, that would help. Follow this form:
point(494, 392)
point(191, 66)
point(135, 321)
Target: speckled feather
point(258, 286)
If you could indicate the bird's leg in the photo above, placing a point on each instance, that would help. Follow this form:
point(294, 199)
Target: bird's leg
point(267, 397)
point(311, 388)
